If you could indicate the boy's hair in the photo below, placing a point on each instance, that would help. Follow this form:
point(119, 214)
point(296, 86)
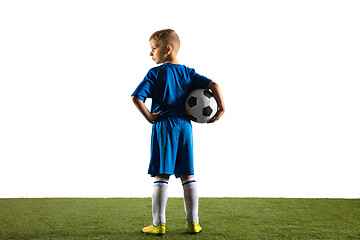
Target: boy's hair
point(168, 37)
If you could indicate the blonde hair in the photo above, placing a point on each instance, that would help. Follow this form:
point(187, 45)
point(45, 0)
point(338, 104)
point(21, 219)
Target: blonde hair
point(168, 37)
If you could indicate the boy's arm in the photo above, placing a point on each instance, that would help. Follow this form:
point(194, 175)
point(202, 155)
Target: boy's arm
point(219, 99)
point(150, 117)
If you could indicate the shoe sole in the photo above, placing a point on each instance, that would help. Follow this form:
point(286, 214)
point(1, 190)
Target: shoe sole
point(194, 233)
point(154, 234)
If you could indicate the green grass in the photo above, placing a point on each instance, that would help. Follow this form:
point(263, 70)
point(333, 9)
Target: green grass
point(221, 218)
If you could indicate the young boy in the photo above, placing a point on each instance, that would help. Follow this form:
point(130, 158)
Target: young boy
point(171, 140)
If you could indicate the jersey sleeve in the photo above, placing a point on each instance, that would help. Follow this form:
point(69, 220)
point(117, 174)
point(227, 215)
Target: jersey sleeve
point(144, 90)
point(199, 81)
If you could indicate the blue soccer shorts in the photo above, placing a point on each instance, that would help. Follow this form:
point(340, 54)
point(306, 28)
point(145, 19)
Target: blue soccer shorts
point(172, 147)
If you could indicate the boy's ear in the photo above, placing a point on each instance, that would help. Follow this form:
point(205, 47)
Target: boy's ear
point(169, 48)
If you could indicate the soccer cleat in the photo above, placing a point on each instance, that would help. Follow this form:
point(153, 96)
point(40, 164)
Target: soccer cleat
point(152, 230)
point(193, 228)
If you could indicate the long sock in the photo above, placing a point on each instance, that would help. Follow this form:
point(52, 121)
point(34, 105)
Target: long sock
point(159, 200)
point(191, 200)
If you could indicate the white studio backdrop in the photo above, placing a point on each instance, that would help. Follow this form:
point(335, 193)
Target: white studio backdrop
point(288, 70)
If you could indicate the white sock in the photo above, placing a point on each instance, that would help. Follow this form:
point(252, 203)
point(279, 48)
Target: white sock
point(159, 200)
point(191, 200)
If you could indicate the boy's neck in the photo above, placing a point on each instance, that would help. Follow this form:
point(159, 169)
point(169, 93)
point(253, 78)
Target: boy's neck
point(172, 60)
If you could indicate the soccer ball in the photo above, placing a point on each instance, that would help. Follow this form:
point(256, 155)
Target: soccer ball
point(201, 105)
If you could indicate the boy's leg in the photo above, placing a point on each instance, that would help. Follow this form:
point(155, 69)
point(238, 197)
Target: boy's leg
point(159, 199)
point(191, 202)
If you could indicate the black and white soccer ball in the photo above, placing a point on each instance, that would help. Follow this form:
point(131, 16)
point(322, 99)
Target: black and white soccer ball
point(201, 105)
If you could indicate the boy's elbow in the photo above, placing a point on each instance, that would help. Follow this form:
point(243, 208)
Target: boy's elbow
point(213, 85)
point(134, 99)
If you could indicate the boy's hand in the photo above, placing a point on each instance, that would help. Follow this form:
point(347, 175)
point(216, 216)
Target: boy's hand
point(150, 117)
point(153, 116)
point(217, 116)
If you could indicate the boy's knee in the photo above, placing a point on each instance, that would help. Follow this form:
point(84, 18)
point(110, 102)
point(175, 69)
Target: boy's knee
point(164, 176)
point(167, 176)
point(184, 177)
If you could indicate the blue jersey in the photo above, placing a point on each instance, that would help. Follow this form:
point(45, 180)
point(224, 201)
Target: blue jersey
point(168, 85)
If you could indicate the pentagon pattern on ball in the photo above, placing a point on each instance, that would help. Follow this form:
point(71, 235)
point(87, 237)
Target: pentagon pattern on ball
point(207, 111)
point(201, 105)
point(192, 118)
point(192, 101)
point(208, 94)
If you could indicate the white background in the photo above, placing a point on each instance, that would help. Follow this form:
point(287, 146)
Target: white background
point(289, 72)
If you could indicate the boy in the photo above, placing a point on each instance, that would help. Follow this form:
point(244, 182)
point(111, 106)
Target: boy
point(171, 141)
